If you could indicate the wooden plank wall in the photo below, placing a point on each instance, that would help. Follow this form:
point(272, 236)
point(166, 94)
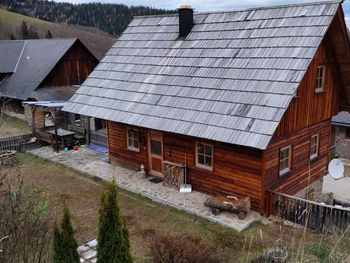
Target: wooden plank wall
point(236, 170)
point(73, 68)
point(309, 113)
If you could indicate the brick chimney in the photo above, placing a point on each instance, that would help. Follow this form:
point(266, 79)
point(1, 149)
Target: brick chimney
point(185, 20)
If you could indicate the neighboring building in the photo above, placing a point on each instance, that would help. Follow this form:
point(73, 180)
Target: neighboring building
point(40, 69)
point(341, 134)
point(244, 98)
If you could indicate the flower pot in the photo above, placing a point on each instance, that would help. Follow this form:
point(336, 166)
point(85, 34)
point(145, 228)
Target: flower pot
point(277, 255)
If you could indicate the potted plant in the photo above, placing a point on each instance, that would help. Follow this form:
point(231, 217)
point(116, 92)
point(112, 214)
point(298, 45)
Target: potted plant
point(277, 255)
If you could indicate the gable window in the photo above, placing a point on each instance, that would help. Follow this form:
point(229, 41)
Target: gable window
point(133, 140)
point(320, 76)
point(314, 146)
point(204, 156)
point(285, 160)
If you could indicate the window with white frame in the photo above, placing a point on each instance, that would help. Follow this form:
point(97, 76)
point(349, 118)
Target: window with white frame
point(320, 76)
point(314, 146)
point(133, 139)
point(285, 160)
point(204, 156)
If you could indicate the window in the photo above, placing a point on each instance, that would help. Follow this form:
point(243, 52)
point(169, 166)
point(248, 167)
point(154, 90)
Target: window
point(347, 133)
point(48, 119)
point(285, 160)
point(77, 119)
point(204, 156)
point(133, 140)
point(314, 147)
point(320, 75)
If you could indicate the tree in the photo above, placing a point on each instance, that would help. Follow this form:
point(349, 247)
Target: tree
point(113, 239)
point(25, 223)
point(64, 244)
point(48, 34)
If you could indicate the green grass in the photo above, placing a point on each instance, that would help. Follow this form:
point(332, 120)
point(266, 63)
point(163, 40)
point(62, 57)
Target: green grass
point(11, 126)
point(96, 40)
point(145, 218)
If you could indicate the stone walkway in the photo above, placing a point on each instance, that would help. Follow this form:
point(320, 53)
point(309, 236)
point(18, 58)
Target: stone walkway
point(96, 164)
point(87, 252)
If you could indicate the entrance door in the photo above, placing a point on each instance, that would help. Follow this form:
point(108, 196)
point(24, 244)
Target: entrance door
point(155, 150)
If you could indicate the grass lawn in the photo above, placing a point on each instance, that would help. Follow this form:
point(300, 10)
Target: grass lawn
point(11, 126)
point(145, 218)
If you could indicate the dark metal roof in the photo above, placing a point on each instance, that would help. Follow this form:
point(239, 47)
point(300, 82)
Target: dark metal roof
point(10, 51)
point(35, 62)
point(62, 93)
point(230, 80)
point(341, 119)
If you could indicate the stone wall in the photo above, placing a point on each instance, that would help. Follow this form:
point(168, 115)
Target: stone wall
point(342, 144)
point(8, 158)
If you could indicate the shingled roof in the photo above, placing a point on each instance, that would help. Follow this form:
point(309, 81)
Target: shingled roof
point(34, 59)
point(230, 80)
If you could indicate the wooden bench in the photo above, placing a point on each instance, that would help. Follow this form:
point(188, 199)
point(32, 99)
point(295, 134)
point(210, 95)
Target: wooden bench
point(79, 132)
point(47, 137)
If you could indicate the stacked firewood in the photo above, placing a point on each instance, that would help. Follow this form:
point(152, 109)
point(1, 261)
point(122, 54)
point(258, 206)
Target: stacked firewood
point(173, 175)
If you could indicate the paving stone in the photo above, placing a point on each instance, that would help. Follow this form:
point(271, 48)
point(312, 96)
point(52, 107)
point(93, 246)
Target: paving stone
point(91, 162)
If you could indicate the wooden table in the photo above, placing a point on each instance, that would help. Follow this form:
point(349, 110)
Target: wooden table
point(63, 134)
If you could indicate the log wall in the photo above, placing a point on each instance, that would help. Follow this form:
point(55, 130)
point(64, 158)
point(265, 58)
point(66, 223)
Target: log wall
point(236, 170)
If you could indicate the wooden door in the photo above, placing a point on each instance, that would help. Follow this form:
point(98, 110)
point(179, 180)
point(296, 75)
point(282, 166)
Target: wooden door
point(155, 151)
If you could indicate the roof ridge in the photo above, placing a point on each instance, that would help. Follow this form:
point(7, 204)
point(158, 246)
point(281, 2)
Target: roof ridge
point(249, 9)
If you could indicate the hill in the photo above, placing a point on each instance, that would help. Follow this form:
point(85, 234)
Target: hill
point(111, 18)
point(97, 41)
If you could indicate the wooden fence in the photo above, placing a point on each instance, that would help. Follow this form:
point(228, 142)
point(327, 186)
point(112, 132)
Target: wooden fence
point(316, 216)
point(17, 143)
point(98, 138)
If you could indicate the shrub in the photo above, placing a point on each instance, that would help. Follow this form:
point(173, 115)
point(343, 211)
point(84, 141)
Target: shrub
point(113, 239)
point(181, 249)
point(64, 244)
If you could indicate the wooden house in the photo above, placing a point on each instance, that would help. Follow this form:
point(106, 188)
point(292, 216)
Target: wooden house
point(243, 98)
point(41, 69)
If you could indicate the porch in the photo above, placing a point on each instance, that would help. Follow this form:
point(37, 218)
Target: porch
point(96, 164)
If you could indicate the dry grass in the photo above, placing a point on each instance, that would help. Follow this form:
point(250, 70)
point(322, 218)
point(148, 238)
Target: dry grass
point(146, 219)
point(11, 126)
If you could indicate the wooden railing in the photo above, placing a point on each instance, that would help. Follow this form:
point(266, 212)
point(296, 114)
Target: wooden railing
point(98, 138)
point(17, 143)
point(317, 216)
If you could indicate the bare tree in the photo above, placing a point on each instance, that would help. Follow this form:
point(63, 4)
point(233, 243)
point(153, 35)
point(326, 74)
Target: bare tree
point(25, 225)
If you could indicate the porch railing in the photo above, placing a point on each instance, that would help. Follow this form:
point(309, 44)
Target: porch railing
point(317, 216)
point(98, 138)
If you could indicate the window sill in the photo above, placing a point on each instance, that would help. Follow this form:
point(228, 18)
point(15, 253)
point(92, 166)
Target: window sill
point(203, 167)
point(133, 149)
point(284, 173)
point(320, 91)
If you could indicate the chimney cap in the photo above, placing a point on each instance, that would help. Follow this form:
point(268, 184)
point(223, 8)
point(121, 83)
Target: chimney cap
point(185, 6)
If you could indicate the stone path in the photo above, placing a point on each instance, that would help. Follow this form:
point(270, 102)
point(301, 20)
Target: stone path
point(88, 252)
point(96, 164)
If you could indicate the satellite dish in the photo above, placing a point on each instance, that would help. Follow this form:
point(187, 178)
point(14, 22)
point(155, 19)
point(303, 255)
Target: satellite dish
point(336, 169)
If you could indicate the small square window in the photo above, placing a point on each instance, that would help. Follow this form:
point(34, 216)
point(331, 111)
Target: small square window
point(133, 140)
point(285, 160)
point(347, 133)
point(204, 156)
point(314, 146)
point(320, 77)
point(48, 119)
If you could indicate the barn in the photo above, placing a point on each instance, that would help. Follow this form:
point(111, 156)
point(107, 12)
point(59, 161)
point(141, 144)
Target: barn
point(243, 98)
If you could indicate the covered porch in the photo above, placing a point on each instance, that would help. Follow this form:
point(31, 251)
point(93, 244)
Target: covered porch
point(61, 129)
point(97, 164)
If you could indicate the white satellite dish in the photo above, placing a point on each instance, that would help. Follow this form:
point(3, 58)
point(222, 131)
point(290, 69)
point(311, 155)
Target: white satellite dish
point(336, 169)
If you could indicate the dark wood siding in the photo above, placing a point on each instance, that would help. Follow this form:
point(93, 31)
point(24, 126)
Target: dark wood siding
point(73, 68)
point(308, 114)
point(236, 170)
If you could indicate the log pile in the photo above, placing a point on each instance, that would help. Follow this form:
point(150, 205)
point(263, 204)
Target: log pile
point(173, 175)
point(8, 158)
